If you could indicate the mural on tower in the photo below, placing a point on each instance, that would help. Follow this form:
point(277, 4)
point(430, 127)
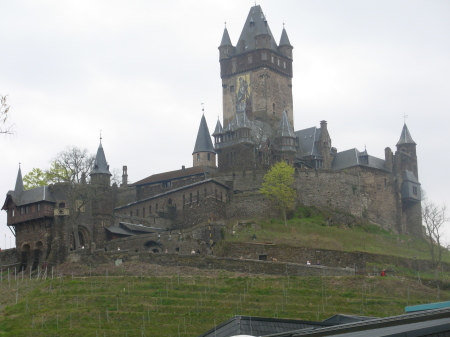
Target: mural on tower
point(243, 94)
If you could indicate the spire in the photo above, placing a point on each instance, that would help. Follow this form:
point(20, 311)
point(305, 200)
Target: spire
point(284, 41)
point(218, 130)
point(256, 24)
point(405, 137)
point(285, 128)
point(225, 38)
point(19, 182)
point(203, 142)
point(100, 164)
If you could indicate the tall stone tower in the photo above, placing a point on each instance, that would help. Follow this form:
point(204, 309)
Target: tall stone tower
point(256, 73)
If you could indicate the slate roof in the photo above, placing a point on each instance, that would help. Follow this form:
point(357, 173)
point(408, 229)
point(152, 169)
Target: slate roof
point(140, 228)
point(203, 142)
point(284, 40)
point(218, 130)
point(285, 128)
point(408, 175)
point(307, 139)
point(172, 191)
point(405, 137)
point(258, 326)
point(350, 158)
point(190, 171)
point(240, 121)
point(100, 164)
point(119, 230)
point(259, 26)
point(225, 38)
point(425, 323)
point(19, 181)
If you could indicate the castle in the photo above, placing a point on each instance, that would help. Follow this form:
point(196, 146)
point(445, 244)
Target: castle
point(222, 185)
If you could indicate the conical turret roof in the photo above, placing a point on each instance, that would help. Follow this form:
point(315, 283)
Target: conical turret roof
point(256, 24)
point(226, 41)
point(284, 41)
point(405, 137)
point(203, 142)
point(100, 164)
point(218, 130)
point(19, 182)
point(285, 128)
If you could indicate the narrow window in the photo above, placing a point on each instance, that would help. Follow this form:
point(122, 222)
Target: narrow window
point(131, 213)
point(143, 212)
point(414, 190)
point(278, 62)
point(231, 88)
point(284, 64)
point(250, 59)
point(150, 209)
point(184, 200)
point(264, 56)
point(198, 156)
point(38, 207)
point(198, 198)
point(205, 194)
point(216, 193)
point(137, 212)
point(273, 59)
point(156, 208)
point(190, 199)
point(209, 156)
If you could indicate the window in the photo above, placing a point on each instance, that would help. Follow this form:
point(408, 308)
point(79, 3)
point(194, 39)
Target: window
point(250, 59)
point(62, 205)
point(209, 156)
point(205, 194)
point(264, 56)
point(278, 62)
point(167, 184)
point(143, 212)
point(190, 199)
point(131, 213)
point(38, 207)
point(137, 212)
point(21, 210)
point(184, 200)
point(415, 190)
point(284, 64)
point(198, 156)
point(13, 213)
point(150, 209)
point(198, 198)
point(26, 209)
point(156, 208)
point(231, 88)
point(273, 59)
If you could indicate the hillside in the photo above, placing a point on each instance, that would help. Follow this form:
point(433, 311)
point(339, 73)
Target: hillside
point(150, 300)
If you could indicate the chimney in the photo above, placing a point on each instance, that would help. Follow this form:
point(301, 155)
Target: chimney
point(183, 167)
point(124, 177)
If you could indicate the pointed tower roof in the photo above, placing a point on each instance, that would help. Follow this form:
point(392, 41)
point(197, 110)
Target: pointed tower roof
point(285, 128)
point(218, 130)
point(405, 137)
point(226, 41)
point(19, 182)
point(256, 24)
point(100, 164)
point(284, 41)
point(203, 142)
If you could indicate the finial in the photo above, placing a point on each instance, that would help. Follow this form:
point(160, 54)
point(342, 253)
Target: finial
point(19, 165)
point(283, 24)
point(203, 108)
point(404, 117)
point(225, 25)
point(100, 136)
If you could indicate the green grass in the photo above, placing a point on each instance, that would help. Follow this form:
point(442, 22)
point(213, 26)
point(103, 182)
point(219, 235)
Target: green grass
point(313, 232)
point(175, 305)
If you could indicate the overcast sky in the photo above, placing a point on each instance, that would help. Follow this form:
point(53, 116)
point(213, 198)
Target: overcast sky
point(139, 71)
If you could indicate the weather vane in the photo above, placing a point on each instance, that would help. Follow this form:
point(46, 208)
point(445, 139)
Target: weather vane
point(100, 136)
point(203, 107)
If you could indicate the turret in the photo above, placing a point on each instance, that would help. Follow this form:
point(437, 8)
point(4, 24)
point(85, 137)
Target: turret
point(100, 174)
point(204, 153)
point(406, 158)
point(218, 133)
point(19, 182)
point(225, 48)
point(285, 139)
point(285, 46)
point(324, 145)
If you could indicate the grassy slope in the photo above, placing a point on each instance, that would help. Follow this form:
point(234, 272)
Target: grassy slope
point(313, 232)
point(173, 305)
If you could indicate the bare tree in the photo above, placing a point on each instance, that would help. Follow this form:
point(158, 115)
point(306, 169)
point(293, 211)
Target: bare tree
point(4, 110)
point(71, 165)
point(434, 217)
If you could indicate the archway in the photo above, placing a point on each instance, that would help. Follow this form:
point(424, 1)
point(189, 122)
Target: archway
point(37, 254)
point(25, 257)
point(153, 246)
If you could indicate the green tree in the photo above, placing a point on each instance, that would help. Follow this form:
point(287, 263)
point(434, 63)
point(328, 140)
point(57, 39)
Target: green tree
point(277, 187)
point(35, 178)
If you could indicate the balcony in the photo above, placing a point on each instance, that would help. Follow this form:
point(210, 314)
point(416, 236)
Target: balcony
point(17, 218)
